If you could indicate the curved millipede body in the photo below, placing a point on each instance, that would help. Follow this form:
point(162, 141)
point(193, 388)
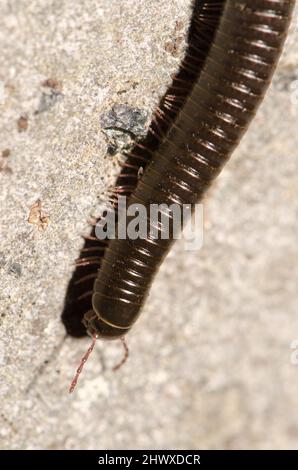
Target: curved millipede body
point(233, 51)
point(225, 95)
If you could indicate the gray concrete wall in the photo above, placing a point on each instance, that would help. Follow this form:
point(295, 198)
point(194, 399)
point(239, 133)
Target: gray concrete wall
point(210, 363)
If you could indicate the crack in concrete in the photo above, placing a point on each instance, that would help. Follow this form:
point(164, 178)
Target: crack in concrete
point(10, 424)
point(41, 369)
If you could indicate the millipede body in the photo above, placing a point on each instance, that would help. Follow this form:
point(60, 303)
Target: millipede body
point(234, 46)
point(244, 39)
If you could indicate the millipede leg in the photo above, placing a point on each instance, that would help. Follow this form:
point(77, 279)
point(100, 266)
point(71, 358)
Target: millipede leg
point(82, 363)
point(125, 356)
point(86, 294)
point(85, 278)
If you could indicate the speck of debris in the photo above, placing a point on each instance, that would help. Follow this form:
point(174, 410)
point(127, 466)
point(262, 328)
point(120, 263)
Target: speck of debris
point(48, 100)
point(128, 86)
point(4, 167)
point(122, 124)
point(16, 269)
point(6, 153)
point(125, 118)
point(178, 25)
point(22, 123)
point(37, 216)
point(173, 46)
point(111, 150)
point(51, 95)
point(52, 83)
point(2, 259)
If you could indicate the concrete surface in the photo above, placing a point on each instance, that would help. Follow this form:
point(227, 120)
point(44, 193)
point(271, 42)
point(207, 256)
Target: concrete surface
point(210, 363)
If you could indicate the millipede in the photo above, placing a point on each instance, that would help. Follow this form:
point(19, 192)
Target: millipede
point(234, 46)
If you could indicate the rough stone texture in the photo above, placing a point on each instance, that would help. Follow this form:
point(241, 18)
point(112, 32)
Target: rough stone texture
point(210, 363)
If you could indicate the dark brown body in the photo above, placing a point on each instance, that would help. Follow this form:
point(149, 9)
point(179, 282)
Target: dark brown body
point(223, 100)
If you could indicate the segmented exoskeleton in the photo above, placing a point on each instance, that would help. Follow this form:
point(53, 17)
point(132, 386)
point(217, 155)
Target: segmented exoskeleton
point(234, 52)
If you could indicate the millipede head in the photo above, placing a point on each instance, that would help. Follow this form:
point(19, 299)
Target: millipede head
point(97, 326)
